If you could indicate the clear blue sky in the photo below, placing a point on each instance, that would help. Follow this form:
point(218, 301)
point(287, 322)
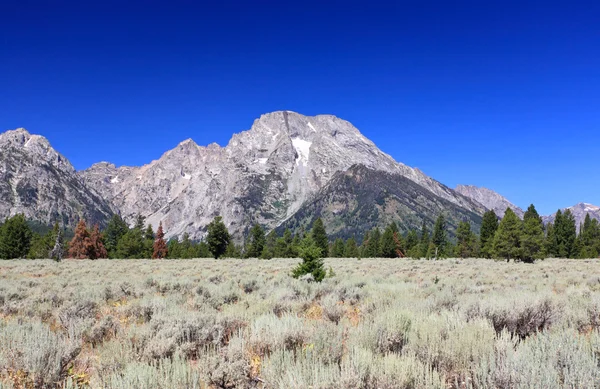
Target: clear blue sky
point(499, 94)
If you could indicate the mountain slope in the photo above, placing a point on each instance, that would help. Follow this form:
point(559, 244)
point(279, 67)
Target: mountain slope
point(263, 175)
point(361, 198)
point(42, 184)
point(579, 211)
point(489, 199)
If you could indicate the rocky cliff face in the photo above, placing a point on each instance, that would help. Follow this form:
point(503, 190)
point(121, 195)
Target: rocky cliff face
point(360, 198)
point(42, 184)
point(263, 175)
point(489, 199)
point(579, 211)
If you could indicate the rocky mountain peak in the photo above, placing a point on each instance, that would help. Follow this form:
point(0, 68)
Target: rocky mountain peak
point(489, 199)
point(263, 175)
point(41, 183)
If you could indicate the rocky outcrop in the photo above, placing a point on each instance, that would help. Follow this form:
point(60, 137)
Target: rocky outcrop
point(489, 199)
point(43, 185)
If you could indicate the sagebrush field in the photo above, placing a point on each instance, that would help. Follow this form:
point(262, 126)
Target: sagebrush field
point(376, 323)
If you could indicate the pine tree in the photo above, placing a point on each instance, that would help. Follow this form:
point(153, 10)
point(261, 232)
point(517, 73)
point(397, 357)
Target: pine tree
point(312, 262)
point(371, 247)
point(159, 248)
point(550, 246)
point(565, 231)
point(319, 236)
point(256, 242)
point(390, 244)
point(218, 237)
point(507, 241)
point(489, 226)
point(131, 245)
point(337, 249)
point(96, 248)
point(351, 249)
point(15, 238)
point(466, 240)
point(81, 244)
point(589, 237)
point(440, 237)
point(114, 231)
point(532, 240)
point(41, 246)
point(269, 249)
point(411, 241)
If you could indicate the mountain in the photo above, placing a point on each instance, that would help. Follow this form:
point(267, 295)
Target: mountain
point(361, 198)
point(579, 211)
point(264, 175)
point(489, 199)
point(42, 184)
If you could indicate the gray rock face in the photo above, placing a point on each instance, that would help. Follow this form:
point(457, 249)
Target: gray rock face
point(42, 184)
point(360, 199)
point(263, 175)
point(489, 199)
point(579, 211)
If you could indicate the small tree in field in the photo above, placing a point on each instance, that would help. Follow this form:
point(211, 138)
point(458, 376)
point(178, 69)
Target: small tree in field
point(159, 249)
point(218, 237)
point(81, 244)
point(96, 249)
point(312, 262)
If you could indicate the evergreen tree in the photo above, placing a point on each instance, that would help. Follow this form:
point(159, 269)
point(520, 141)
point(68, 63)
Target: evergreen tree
point(312, 262)
point(550, 246)
point(256, 242)
point(319, 236)
point(425, 241)
point(269, 249)
point(296, 242)
point(411, 241)
point(440, 237)
point(351, 249)
point(389, 246)
point(159, 247)
point(532, 240)
point(589, 238)
point(284, 245)
point(114, 231)
point(466, 240)
point(337, 249)
point(233, 251)
point(489, 226)
point(81, 245)
point(218, 237)
point(41, 246)
point(507, 241)
point(131, 245)
point(15, 238)
point(565, 232)
point(371, 246)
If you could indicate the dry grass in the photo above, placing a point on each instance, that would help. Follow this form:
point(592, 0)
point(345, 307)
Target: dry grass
point(379, 323)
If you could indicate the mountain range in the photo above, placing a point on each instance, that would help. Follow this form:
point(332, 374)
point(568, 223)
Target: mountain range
point(285, 171)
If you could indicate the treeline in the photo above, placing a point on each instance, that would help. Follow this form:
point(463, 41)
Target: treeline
point(509, 238)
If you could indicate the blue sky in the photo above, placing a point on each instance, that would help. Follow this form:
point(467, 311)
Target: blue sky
point(498, 94)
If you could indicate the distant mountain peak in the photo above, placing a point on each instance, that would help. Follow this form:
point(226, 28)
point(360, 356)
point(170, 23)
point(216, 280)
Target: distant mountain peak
point(42, 184)
point(490, 199)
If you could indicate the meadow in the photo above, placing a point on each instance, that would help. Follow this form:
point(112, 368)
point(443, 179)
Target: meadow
point(374, 323)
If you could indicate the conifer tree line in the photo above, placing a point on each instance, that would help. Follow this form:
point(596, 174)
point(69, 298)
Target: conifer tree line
point(509, 238)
